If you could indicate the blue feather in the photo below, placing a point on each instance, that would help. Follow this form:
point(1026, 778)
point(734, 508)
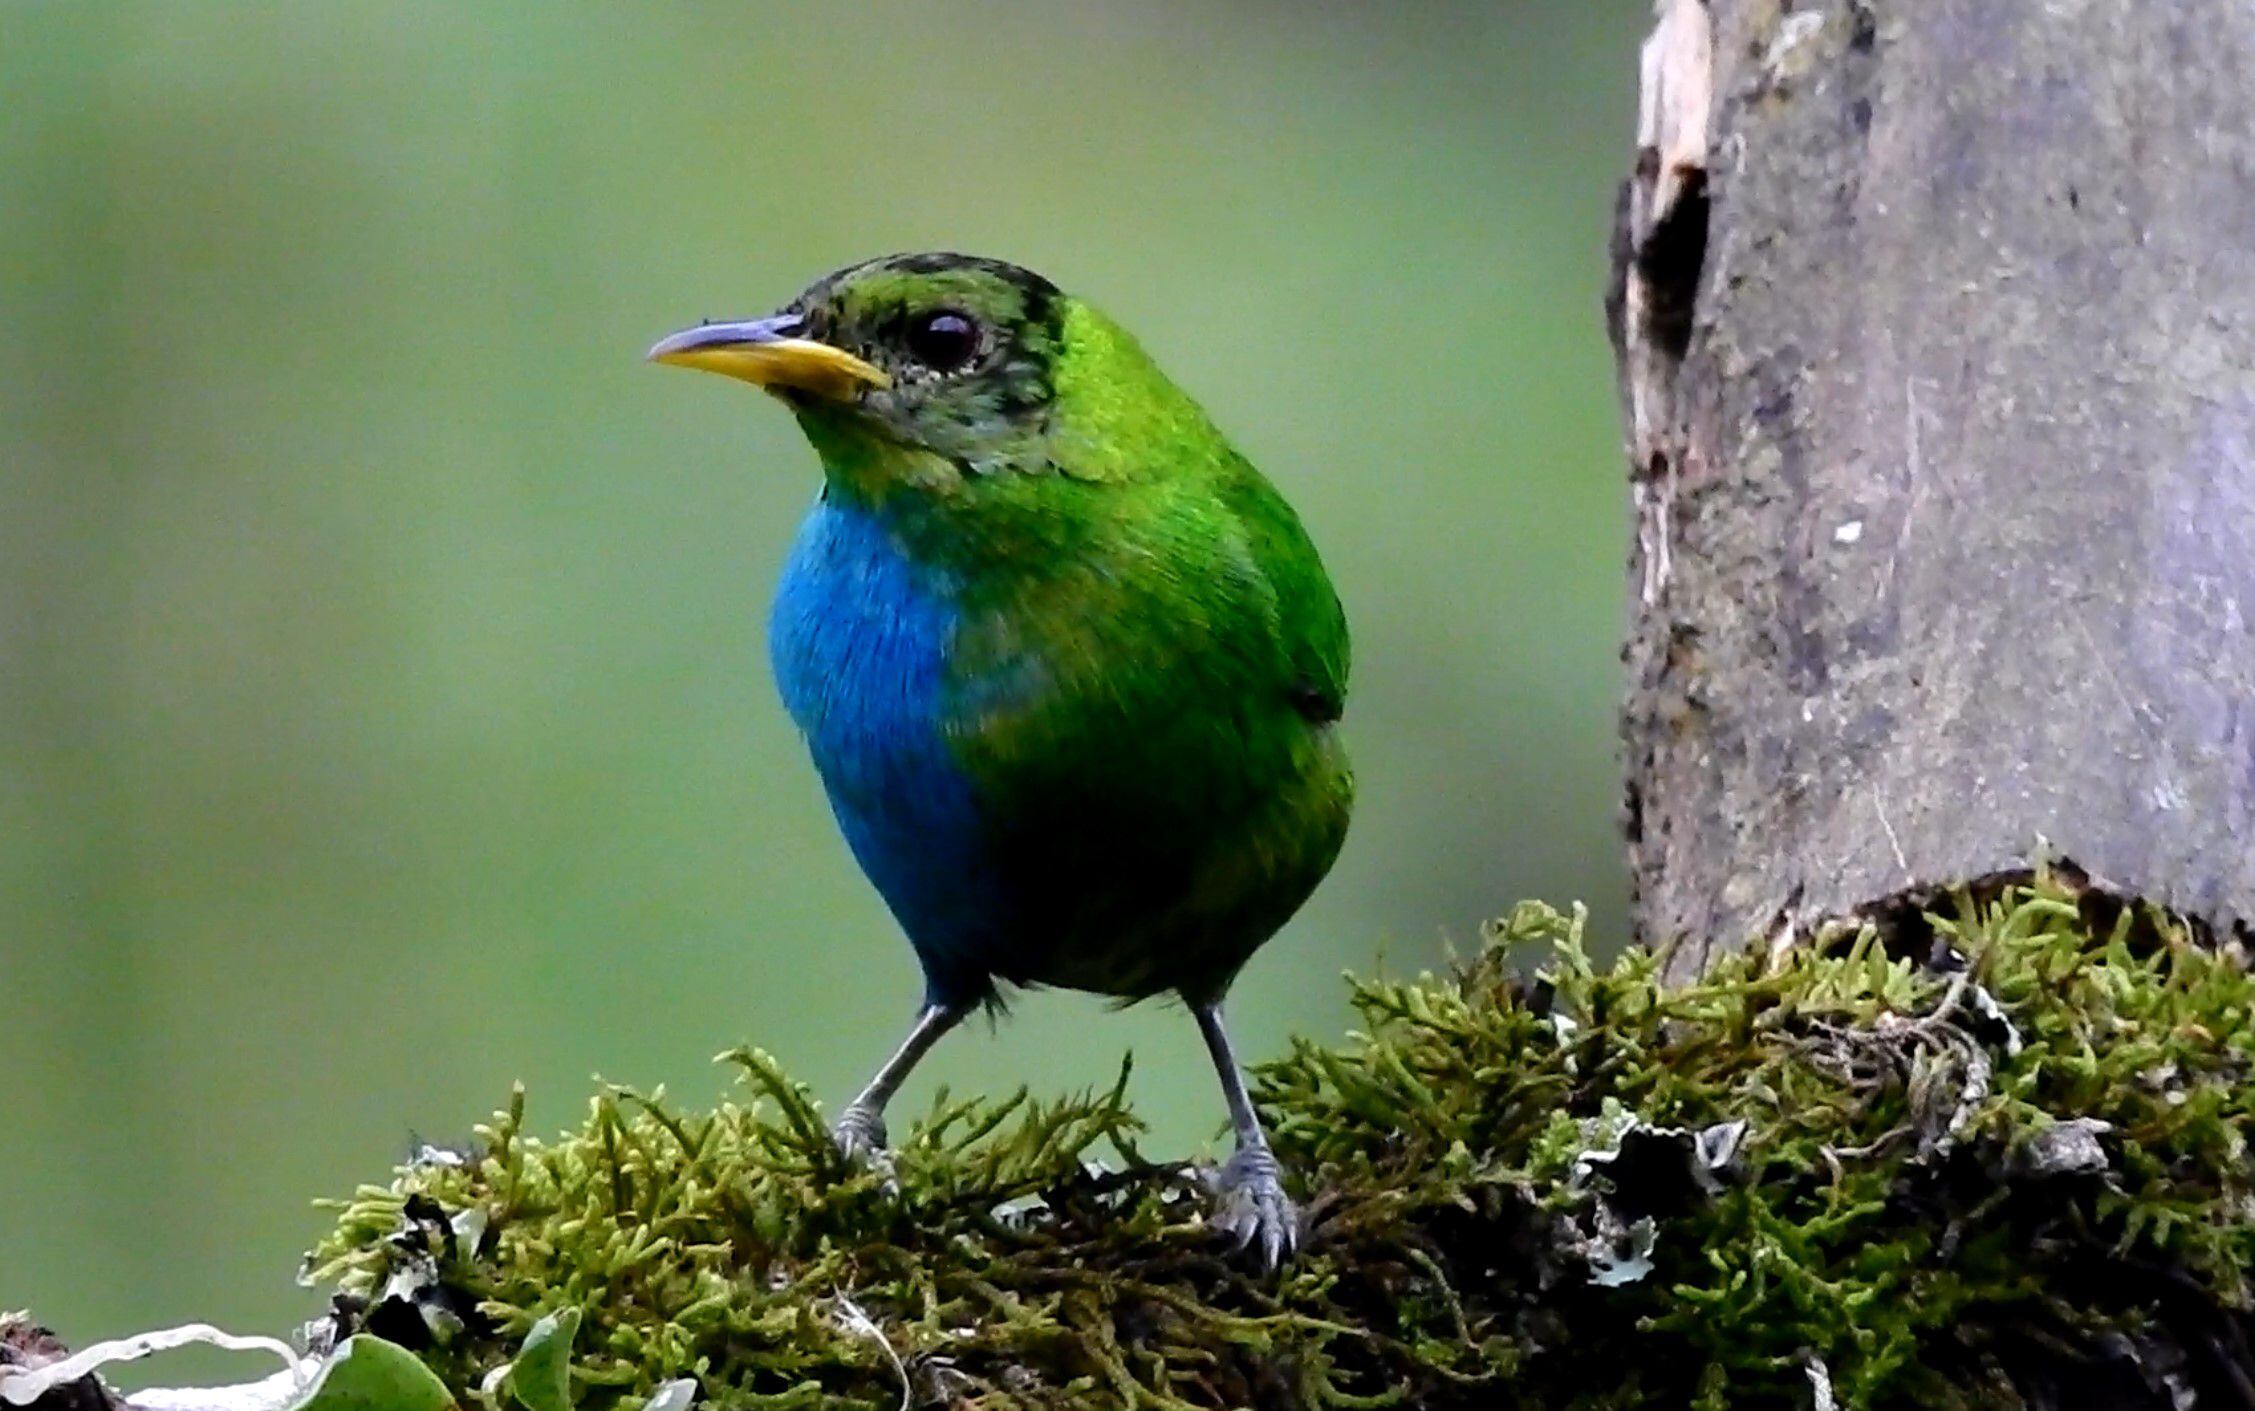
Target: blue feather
point(859, 639)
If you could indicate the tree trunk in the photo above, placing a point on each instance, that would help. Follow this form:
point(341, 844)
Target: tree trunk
point(1937, 338)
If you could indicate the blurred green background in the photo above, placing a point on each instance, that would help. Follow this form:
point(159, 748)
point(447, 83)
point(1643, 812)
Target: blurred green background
point(384, 713)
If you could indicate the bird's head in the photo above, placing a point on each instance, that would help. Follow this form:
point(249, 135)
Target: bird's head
point(922, 368)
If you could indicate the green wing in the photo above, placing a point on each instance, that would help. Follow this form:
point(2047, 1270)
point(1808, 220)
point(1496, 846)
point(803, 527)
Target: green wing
point(1313, 626)
point(1142, 720)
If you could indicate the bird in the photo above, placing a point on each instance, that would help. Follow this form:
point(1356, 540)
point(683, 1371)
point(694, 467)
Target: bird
point(1069, 667)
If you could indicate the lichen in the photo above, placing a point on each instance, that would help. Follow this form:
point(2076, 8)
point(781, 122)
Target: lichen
point(1964, 1157)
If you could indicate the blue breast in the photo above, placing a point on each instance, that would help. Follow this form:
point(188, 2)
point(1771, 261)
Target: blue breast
point(859, 640)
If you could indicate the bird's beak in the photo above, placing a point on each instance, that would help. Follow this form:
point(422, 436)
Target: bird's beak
point(769, 353)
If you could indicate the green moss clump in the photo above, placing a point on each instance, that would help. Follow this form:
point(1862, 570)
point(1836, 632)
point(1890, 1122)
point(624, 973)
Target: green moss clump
point(1989, 1153)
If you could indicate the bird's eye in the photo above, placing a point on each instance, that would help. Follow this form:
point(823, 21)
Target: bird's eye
point(943, 341)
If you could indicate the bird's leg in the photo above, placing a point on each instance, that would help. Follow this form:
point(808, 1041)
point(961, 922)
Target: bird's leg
point(1250, 1188)
point(860, 1133)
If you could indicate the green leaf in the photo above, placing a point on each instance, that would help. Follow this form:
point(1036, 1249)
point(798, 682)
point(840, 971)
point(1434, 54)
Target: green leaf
point(541, 1378)
point(369, 1374)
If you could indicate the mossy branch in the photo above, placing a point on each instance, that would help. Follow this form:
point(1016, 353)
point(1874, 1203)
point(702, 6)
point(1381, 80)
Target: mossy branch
point(1988, 1154)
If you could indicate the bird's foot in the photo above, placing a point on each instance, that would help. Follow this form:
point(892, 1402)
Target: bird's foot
point(860, 1138)
point(1250, 1205)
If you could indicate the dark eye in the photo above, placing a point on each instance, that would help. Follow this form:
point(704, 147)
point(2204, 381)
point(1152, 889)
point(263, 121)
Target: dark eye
point(943, 341)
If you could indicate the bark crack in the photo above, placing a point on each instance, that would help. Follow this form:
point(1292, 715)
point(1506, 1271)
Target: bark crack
point(1659, 253)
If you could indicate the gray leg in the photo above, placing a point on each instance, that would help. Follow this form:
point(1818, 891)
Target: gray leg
point(861, 1127)
point(1252, 1205)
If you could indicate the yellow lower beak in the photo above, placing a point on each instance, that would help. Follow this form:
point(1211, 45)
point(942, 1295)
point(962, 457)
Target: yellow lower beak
point(769, 353)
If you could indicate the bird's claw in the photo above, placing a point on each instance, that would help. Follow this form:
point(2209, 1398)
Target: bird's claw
point(1250, 1205)
point(860, 1138)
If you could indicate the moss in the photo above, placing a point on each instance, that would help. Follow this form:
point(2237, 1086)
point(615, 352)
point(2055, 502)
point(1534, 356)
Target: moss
point(1985, 1152)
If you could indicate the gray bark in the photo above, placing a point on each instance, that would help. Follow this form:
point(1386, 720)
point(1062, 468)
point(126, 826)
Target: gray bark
point(1937, 336)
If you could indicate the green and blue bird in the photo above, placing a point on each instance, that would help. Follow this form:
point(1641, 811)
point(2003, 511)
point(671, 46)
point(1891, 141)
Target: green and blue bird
point(1069, 667)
